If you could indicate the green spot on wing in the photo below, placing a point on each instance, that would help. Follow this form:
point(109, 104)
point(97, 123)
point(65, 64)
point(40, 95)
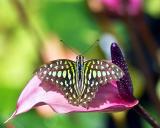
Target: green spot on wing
point(59, 73)
point(64, 74)
point(54, 73)
point(94, 73)
point(99, 74)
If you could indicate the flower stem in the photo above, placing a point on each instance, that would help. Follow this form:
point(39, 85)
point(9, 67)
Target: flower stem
point(25, 20)
point(147, 37)
point(143, 113)
point(142, 63)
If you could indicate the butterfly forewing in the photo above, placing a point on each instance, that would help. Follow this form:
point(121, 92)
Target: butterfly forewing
point(100, 71)
point(96, 73)
point(63, 74)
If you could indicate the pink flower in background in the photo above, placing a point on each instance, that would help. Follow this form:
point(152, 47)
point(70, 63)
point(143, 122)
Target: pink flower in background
point(115, 96)
point(133, 7)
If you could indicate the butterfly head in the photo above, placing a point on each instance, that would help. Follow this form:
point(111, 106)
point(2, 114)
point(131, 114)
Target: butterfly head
point(80, 58)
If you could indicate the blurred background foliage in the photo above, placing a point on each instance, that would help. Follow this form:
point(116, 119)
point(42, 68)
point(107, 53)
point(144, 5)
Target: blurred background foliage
point(30, 34)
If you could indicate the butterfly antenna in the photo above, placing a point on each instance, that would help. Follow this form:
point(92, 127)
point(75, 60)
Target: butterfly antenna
point(70, 48)
point(94, 44)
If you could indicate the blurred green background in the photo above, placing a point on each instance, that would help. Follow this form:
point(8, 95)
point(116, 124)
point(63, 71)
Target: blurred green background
point(29, 30)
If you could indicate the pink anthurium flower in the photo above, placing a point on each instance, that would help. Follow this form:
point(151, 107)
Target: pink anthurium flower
point(114, 96)
point(133, 7)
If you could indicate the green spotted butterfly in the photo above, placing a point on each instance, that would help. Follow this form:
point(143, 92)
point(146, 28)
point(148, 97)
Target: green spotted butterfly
point(79, 80)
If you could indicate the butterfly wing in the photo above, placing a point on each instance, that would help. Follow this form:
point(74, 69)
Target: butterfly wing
point(96, 73)
point(99, 72)
point(61, 73)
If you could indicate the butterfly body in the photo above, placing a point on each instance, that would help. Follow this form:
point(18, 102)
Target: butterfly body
point(79, 75)
point(80, 80)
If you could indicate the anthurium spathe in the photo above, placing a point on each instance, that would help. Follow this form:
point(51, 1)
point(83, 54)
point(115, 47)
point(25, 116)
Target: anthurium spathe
point(111, 97)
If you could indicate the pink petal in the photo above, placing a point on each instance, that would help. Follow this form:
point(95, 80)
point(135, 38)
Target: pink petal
point(38, 93)
point(113, 5)
point(134, 7)
point(116, 6)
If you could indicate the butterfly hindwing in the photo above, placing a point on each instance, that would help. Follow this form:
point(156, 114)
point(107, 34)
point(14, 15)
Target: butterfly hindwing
point(61, 73)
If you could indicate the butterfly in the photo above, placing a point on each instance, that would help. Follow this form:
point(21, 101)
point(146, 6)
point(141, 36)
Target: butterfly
point(79, 80)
